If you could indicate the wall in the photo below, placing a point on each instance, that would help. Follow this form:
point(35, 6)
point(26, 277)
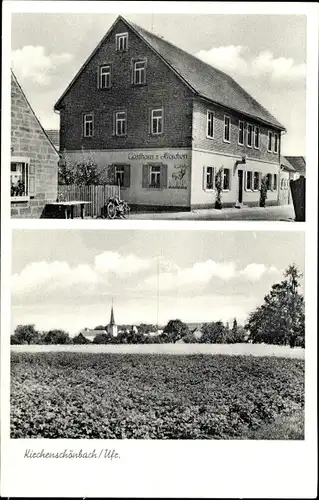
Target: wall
point(29, 140)
point(200, 141)
point(285, 194)
point(201, 198)
point(178, 161)
point(163, 88)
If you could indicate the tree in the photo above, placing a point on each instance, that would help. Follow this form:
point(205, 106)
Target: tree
point(80, 339)
point(147, 328)
point(236, 334)
point(219, 188)
point(175, 330)
point(100, 327)
point(56, 337)
point(101, 338)
point(213, 333)
point(281, 318)
point(26, 334)
point(263, 191)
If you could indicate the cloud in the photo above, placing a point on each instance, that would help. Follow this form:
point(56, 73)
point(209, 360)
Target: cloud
point(31, 63)
point(238, 61)
point(121, 265)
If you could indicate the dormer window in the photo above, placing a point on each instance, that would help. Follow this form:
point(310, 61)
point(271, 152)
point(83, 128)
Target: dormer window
point(121, 41)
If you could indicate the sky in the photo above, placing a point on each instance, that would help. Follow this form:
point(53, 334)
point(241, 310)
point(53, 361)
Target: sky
point(266, 54)
point(67, 279)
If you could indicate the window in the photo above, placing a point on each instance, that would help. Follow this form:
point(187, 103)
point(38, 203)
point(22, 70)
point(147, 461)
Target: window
point(274, 186)
point(122, 175)
point(226, 179)
point(120, 123)
point(249, 135)
point(210, 124)
point(208, 178)
point(105, 77)
point(19, 179)
point(154, 176)
point(269, 141)
point(139, 72)
point(226, 128)
point(256, 138)
point(256, 181)
point(88, 125)
point(269, 182)
point(275, 143)
point(249, 181)
point(241, 133)
point(121, 41)
point(157, 118)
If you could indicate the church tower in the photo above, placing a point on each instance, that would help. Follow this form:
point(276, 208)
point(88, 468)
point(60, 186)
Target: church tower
point(112, 327)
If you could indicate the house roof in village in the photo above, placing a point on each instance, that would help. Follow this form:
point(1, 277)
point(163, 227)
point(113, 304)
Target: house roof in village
point(203, 79)
point(54, 136)
point(14, 78)
point(92, 333)
point(298, 163)
point(285, 163)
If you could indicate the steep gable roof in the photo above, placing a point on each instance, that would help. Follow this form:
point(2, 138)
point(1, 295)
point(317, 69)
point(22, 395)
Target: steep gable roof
point(298, 163)
point(54, 136)
point(285, 163)
point(14, 81)
point(204, 80)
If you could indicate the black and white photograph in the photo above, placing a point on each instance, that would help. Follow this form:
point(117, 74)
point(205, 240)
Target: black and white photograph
point(159, 249)
point(174, 117)
point(157, 335)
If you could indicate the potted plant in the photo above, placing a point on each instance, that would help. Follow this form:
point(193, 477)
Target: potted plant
point(219, 188)
point(263, 191)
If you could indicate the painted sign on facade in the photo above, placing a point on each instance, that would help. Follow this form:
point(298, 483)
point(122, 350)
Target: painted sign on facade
point(178, 178)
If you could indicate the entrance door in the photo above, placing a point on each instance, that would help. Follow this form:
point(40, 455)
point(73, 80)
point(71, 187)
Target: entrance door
point(240, 185)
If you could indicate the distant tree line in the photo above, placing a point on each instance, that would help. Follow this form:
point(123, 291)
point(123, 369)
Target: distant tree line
point(279, 320)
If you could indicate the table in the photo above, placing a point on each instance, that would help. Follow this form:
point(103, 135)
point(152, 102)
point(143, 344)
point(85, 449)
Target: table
point(69, 207)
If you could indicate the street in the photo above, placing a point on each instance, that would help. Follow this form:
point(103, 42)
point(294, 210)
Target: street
point(274, 213)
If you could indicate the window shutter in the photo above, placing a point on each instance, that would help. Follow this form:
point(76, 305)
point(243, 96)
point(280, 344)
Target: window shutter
point(245, 180)
point(145, 183)
point(127, 176)
point(132, 71)
point(204, 178)
point(98, 77)
point(31, 180)
point(114, 123)
point(163, 176)
point(229, 178)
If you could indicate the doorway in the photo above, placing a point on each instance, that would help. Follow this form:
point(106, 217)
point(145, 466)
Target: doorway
point(240, 186)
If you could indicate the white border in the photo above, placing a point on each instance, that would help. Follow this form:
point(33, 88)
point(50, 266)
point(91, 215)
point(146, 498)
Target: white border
point(165, 468)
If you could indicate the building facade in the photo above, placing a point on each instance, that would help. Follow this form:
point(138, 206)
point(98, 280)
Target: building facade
point(34, 160)
point(163, 124)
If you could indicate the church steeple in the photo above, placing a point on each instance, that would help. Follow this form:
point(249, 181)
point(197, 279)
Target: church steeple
point(112, 327)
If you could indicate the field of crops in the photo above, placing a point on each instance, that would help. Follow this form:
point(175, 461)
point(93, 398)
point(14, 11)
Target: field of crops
point(133, 396)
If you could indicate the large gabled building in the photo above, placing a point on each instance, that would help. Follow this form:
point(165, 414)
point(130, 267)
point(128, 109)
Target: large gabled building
point(163, 123)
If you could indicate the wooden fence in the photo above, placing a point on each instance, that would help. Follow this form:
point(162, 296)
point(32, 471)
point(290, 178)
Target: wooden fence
point(298, 191)
point(97, 195)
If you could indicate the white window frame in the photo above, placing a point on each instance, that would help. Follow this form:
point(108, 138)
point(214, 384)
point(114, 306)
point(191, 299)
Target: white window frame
point(101, 74)
point(270, 136)
point(159, 120)
point(212, 174)
point(139, 71)
point(229, 127)
point(157, 171)
point(256, 127)
point(251, 180)
point(85, 122)
point(26, 161)
point(210, 122)
point(120, 120)
point(250, 127)
point(276, 139)
point(121, 39)
point(259, 180)
point(223, 179)
point(243, 124)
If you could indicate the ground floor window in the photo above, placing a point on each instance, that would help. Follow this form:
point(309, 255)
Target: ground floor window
point(122, 175)
point(256, 181)
point(155, 176)
point(208, 178)
point(19, 178)
point(274, 186)
point(249, 180)
point(269, 182)
point(226, 179)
